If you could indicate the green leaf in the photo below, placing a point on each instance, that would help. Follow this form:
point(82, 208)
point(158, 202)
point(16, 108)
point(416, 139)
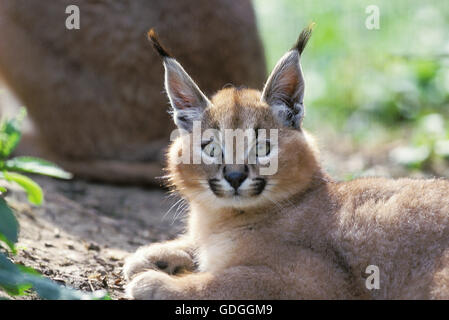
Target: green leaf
point(10, 134)
point(10, 244)
point(9, 228)
point(25, 269)
point(37, 166)
point(50, 290)
point(15, 282)
point(34, 192)
point(11, 279)
point(10, 283)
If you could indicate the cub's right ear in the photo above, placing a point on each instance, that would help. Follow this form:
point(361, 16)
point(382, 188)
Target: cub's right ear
point(186, 99)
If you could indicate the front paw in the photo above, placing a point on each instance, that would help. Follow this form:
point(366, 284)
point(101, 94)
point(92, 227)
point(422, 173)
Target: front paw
point(167, 258)
point(152, 285)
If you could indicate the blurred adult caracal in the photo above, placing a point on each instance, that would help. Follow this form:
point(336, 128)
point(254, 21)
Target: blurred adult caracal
point(89, 91)
point(294, 234)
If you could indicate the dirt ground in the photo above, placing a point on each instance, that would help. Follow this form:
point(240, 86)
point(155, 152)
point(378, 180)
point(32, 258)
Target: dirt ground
point(82, 233)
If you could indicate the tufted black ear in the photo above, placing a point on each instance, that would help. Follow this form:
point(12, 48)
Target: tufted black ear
point(284, 90)
point(187, 100)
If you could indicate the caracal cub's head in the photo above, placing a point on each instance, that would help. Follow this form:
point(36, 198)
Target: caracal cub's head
point(242, 148)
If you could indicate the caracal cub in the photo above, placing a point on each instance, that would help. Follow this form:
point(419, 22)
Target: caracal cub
point(289, 234)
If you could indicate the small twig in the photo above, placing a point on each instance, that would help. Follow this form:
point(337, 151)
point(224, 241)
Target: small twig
point(91, 286)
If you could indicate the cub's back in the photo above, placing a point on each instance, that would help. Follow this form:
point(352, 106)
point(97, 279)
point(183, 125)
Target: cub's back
point(416, 203)
point(401, 226)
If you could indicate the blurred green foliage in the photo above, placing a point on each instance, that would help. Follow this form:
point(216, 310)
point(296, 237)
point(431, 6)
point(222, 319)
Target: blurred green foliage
point(393, 80)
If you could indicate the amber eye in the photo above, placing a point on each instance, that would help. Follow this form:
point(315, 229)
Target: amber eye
point(263, 148)
point(211, 149)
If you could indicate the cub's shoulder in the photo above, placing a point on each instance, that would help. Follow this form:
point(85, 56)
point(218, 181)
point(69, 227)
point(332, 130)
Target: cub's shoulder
point(406, 190)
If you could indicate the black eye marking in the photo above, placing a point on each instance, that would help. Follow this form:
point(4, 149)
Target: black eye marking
point(182, 118)
point(259, 185)
point(205, 143)
point(212, 149)
point(215, 186)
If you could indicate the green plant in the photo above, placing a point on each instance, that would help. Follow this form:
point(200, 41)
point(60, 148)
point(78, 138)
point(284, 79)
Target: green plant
point(16, 279)
point(370, 84)
point(429, 143)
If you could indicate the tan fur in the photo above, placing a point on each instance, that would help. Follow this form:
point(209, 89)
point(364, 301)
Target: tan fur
point(96, 94)
point(305, 236)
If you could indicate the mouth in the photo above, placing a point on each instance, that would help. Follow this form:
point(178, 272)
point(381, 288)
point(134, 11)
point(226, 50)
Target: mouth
point(256, 188)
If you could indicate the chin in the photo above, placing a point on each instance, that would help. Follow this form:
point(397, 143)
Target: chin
point(239, 201)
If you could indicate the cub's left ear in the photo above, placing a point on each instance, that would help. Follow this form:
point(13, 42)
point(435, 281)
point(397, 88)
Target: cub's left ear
point(284, 90)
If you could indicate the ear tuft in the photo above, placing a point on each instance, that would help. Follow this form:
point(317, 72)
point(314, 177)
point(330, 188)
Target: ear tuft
point(284, 90)
point(152, 36)
point(304, 38)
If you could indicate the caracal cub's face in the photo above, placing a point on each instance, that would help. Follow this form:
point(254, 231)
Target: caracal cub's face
point(217, 183)
point(243, 148)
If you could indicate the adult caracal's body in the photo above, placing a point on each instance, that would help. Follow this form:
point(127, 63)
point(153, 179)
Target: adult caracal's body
point(295, 234)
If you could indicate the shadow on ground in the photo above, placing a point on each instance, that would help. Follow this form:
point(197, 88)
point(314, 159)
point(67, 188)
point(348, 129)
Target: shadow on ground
point(82, 233)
